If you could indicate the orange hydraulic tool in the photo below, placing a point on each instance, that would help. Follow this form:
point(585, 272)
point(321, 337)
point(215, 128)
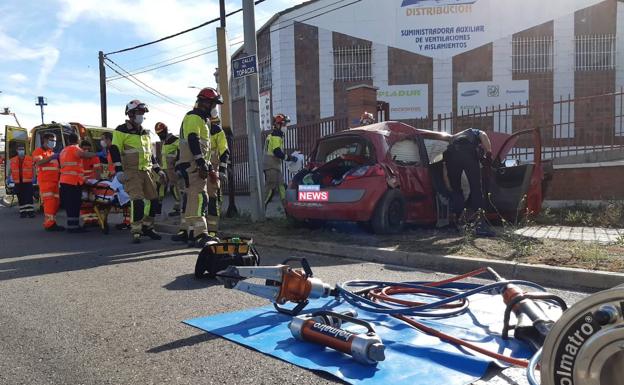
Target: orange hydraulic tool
point(283, 283)
point(324, 328)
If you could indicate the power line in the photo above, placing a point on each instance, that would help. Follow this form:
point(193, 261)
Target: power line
point(126, 92)
point(180, 33)
point(315, 16)
point(144, 86)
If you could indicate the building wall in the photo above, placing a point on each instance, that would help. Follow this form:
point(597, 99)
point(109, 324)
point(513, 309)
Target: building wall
point(307, 70)
point(410, 68)
point(597, 184)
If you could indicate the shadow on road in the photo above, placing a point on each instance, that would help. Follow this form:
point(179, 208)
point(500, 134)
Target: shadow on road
point(183, 343)
point(189, 282)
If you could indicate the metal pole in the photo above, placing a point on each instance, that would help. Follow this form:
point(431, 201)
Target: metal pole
point(223, 80)
point(102, 88)
point(253, 114)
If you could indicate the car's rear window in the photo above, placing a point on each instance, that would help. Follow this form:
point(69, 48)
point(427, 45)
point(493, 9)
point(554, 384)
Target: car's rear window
point(332, 148)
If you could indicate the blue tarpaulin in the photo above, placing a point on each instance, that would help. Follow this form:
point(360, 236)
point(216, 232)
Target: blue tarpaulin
point(412, 357)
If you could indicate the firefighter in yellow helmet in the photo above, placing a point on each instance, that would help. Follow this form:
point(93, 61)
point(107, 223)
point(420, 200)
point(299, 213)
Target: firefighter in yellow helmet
point(131, 153)
point(169, 150)
point(273, 157)
point(219, 156)
point(195, 168)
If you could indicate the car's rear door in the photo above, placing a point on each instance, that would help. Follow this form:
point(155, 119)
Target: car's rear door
point(13, 136)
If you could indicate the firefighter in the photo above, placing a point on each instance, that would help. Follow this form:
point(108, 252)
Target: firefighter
point(219, 156)
point(463, 155)
point(170, 148)
point(48, 173)
point(92, 169)
point(366, 118)
point(273, 157)
point(131, 153)
point(195, 168)
point(71, 180)
point(106, 143)
point(22, 174)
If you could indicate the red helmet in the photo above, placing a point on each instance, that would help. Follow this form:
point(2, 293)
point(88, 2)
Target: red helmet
point(136, 105)
point(280, 120)
point(210, 94)
point(160, 127)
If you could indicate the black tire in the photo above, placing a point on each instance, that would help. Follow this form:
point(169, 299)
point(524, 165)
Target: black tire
point(389, 215)
point(200, 267)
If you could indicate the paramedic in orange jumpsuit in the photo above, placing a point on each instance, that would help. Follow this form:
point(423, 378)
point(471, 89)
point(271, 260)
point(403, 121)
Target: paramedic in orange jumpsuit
point(48, 173)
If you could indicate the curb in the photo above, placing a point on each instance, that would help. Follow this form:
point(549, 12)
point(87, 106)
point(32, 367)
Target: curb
point(558, 277)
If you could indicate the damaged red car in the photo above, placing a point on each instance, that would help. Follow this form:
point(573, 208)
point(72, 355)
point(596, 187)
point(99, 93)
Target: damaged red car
point(388, 174)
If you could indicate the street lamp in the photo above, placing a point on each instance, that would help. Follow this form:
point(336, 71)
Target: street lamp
point(7, 111)
point(41, 101)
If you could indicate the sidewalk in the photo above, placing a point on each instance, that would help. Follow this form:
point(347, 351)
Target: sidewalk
point(565, 233)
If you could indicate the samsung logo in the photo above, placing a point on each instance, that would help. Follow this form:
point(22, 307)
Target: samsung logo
point(470, 93)
point(435, 3)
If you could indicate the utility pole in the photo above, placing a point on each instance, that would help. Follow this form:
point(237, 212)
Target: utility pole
point(102, 88)
point(41, 101)
point(223, 82)
point(253, 113)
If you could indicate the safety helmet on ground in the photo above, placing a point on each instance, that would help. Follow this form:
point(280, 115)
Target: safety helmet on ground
point(160, 127)
point(367, 118)
point(210, 94)
point(136, 105)
point(280, 120)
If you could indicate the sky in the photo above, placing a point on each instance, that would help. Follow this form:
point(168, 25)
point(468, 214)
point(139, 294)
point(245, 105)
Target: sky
point(50, 48)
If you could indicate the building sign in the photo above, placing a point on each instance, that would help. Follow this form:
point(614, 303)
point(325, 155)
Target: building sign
point(481, 95)
point(438, 28)
point(244, 66)
point(406, 101)
point(266, 119)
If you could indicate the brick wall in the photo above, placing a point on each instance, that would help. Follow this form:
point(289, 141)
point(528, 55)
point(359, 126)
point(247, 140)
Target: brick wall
point(586, 184)
point(340, 87)
point(307, 70)
point(473, 66)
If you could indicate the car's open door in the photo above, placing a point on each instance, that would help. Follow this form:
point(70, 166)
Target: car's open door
point(13, 136)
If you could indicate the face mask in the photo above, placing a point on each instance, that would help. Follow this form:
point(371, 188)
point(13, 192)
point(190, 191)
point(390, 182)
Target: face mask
point(103, 144)
point(214, 113)
point(138, 119)
point(21, 153)
point(51, 144)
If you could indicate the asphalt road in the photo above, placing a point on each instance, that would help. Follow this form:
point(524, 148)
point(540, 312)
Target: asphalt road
point(95, 309)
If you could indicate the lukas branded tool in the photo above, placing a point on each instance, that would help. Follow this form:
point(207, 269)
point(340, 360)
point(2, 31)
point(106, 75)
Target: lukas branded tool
point(324, 328)
point(283, 284)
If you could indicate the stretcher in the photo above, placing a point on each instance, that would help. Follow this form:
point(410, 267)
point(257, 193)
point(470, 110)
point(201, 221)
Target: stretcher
point(105, 197)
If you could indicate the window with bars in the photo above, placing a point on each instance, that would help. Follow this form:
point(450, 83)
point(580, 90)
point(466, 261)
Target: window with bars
point(594, 52)
point(353, 63)
point(532, 54)
point(264, 68)
point(237, 88)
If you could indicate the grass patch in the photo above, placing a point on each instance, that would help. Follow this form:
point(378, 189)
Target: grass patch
point(610, 215)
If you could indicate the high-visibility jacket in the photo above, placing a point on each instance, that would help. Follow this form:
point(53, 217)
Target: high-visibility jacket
point(111, 166)
point(71, 165)
point(22, 169)
point(273, 150)
point(91, 166)
point(170, 151)
point(219, 147)
point(48, 172)
point(195, 122)
point(135, 148)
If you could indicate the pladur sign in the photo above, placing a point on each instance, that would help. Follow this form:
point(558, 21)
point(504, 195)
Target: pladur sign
point(407, 101)
point(435, 28)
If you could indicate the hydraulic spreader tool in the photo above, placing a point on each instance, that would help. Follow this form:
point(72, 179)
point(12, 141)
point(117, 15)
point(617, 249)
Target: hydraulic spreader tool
point(583, 346)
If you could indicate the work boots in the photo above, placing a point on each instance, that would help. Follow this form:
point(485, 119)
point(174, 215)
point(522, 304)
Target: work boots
point(55, 227)
point(149, 232)
point(203, 240)
point(181, 236)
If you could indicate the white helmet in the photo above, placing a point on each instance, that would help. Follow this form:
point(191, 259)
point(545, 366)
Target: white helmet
point(136, 105)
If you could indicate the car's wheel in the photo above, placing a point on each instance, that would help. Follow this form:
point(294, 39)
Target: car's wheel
point(389, 215)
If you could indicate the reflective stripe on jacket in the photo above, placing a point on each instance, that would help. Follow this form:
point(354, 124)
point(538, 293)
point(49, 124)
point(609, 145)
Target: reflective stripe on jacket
point(170, 151)
point(135, 148)
point(22, 169)
point(71, 165)
point(47, 172)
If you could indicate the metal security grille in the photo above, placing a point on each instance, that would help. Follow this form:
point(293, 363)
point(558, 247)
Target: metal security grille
point(264, 67)
point(532, 54)
point(595, 52)
point(353, 63)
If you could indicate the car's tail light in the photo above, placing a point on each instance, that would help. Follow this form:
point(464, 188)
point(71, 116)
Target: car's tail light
point(365, 171)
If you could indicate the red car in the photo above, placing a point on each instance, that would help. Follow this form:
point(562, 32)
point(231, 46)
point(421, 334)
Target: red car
point(388, 174)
